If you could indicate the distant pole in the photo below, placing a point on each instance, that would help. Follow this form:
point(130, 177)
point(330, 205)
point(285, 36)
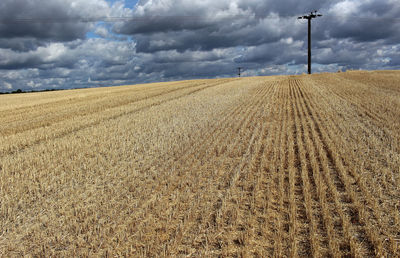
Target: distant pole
point(239, 71)
point(309, 17)
point(309, 46)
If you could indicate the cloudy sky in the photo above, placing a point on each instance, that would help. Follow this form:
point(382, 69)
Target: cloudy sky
point(46, 44)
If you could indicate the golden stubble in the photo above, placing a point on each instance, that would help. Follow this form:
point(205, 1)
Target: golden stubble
point(261, 166)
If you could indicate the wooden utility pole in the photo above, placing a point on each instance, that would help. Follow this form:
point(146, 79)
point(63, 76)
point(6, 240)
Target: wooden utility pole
point(309, 17)
point(239, 70)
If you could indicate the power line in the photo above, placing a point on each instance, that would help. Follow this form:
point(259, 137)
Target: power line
point(112, 19)
point(309, 17)
point(365, 19)
point(125, 18)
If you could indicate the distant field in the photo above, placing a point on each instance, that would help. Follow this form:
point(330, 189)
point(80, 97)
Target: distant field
point(261, 166)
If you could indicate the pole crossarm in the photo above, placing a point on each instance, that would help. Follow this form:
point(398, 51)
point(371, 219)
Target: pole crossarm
point(312, 15)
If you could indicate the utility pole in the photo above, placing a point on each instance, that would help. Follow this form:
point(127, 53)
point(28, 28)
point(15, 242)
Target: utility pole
point(309, 17)
point(239, 70)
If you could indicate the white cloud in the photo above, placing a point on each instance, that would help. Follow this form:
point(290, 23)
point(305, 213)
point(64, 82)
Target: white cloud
point(287, 41)
point(52, 52)
point(6, 86)
point(347, 7)
point(102, 31)
point(33, 84)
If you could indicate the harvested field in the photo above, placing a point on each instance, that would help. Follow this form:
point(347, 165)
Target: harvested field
point(260, 166)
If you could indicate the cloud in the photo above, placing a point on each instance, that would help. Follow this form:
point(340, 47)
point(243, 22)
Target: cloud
point(6, 86)
point(24, 19)
point(68, 65)
point(102, 31)
point(201, 25)
point(40, 57)
point(268, 31)
point(363, 21)
point(180, 39)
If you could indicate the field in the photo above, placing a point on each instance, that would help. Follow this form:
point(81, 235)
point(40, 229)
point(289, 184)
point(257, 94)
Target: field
point(259, 166)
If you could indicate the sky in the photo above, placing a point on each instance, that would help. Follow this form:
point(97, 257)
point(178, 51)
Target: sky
point(62, 44)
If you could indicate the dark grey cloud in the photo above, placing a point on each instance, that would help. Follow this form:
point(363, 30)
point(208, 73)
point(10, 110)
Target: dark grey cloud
point(23, 44)
point(228, 34)
point(284, 51)
point(178, 15)
point(201, 25)
point(35, 22)
point(177, 24)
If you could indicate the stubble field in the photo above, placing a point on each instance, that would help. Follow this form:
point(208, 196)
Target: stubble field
point(262, 166)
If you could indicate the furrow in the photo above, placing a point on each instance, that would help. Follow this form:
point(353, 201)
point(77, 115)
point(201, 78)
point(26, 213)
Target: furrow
point(282, 244)
point(327, 196)
point(355, 100)
point(360, 196)
point(307, 243)
point(320, 216)
point(225, 216)
point(293, 178)
point(249, 222)
point(360, 244)
point(262, 234)
point(268, 199)
point(375, 188)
